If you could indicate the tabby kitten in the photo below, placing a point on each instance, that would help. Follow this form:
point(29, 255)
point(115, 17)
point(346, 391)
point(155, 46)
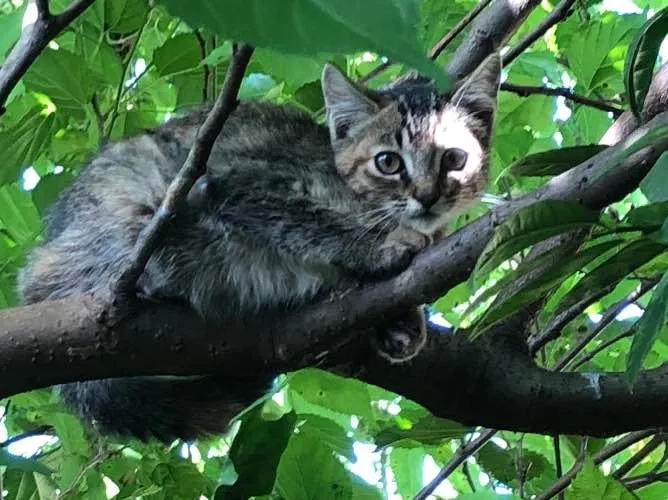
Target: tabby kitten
point(288, 210)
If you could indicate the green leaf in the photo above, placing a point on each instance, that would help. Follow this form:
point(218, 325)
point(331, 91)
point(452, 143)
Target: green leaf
point(623, 262)
point(537, 287)
point(650, 216)
point(18, 215)
point(641, 59)
point(654, 185)
point(648, 328)
point(329, 433)
point(256, 452)
point(339, 394)
point(407, 464)
point(23, 143)
point(48, 189)
point(65, 78)
point(552, 260)
point(23, 464)
point(530, 225)
point(312, 27)
point(178, 54)
point(309, 470)
point(553, 162)
point(591, 484)
point(591, 57)
point(294, 69)
point(497, 462)
point(428, 430)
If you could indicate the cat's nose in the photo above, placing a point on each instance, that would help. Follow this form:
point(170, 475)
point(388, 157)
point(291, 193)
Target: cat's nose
point(427, 197)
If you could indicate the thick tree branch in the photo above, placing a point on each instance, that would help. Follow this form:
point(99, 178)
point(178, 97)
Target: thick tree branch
point(527, 90)
point(34, 38)
point(192, 169)
point(494, 25)
point(74, 339)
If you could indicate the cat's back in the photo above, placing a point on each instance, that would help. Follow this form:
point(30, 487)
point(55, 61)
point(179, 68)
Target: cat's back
point(91, 229)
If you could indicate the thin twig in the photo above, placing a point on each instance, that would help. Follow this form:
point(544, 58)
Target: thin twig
point(439, 46)
point(468, 476)
point(37, 431)
point(124, 74)
point(527, 90)
point(192, 169)
point(202, 50)
point(34, 38)
point(658, 439)
point(557, 461)
point(462, 453)
point(560, 12)
point(637, 482)
point(563, 318)
point(610, 314)
point(590, 355)
point(604, 454)
point(100, 457)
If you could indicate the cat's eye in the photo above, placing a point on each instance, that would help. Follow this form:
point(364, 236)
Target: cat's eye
point(454, 159)
point(389, 163)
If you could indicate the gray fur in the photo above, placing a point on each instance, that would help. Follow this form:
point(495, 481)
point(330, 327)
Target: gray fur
point(287, 211)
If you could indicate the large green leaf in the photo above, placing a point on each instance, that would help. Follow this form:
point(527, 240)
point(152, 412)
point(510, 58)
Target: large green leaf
point(654, 185)
point(407, 465)
point(18, 216)
point(650, 216)
point(530, 225)
point(312, 27)
point(428, 430)
point(552, 260)
point(64, 77)
point(648, 328)
point(329, 433)
point(309, 470)
point(641, 58)
point(23, 143)
point(178, 54)
point(339, 394)
point(23, 464)
point(536, 288)
point(256, 452)
point(591, 484)
point(553, 162)
point(623, 262)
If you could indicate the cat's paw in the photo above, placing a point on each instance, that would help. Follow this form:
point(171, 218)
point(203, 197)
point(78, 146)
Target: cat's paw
point(404, 339)
point(397, 252)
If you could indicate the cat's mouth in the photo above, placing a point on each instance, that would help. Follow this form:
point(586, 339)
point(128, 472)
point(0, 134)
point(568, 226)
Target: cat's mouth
point(430, 221)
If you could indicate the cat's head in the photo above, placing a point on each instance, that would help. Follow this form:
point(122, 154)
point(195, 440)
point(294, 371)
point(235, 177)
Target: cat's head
point(421, 153)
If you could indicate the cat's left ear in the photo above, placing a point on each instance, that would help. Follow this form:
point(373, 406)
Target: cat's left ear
point(347, 105)
point(477, 94)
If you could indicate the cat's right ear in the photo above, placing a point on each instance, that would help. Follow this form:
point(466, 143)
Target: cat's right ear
point(347, 105)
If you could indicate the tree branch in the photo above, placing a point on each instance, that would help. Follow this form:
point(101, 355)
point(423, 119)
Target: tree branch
point(494, 25)
point(34, 38)
point(527, 90)
point(604, 454)
point(74, 339)
point(559, 13)
point(192, 169)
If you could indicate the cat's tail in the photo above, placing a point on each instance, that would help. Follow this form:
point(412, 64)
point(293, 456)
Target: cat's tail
point(164, 408)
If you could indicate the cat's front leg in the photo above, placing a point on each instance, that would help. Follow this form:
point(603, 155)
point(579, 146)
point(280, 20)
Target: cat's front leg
point(394, 253)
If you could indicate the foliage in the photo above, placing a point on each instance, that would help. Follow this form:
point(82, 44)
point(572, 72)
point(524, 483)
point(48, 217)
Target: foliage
point(125, 66)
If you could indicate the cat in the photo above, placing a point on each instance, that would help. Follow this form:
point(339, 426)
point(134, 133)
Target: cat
point(288, 210)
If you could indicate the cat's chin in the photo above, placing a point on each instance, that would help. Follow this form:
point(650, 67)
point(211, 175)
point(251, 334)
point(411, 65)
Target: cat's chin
point(430, 224)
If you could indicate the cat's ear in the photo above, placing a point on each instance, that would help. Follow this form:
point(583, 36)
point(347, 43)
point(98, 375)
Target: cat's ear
point(477, 94)
point(347, 105)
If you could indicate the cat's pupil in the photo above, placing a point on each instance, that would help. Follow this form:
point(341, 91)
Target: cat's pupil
point(454, 159)
point(389, 163)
